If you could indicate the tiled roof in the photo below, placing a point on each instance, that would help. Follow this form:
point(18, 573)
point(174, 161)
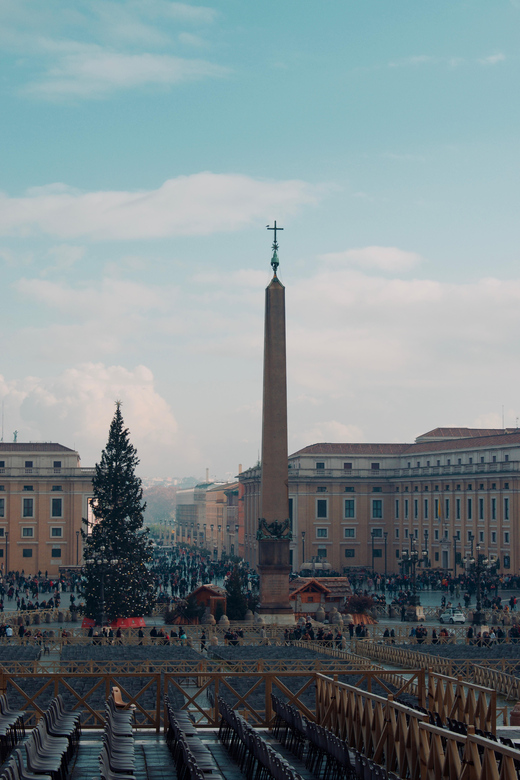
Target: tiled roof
point(352, 449)
point(502, 440)
point(33, 446)
point(473, 442)
point(461, 433)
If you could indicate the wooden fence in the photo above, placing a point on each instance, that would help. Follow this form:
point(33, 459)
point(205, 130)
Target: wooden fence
point(402, 739)
point(195, 689)
point(498, 676)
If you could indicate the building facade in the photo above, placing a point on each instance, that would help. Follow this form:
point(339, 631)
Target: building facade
point(44, 494)
point(207, 516)
point(363, 505)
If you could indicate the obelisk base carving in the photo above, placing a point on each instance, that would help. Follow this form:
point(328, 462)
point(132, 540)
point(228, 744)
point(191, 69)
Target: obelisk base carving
point(274, 569)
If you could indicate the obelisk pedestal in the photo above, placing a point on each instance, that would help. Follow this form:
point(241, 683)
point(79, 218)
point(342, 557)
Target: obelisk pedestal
point(274, 532)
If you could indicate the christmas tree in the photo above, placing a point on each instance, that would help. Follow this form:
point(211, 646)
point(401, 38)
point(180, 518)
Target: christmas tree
point(116, 546)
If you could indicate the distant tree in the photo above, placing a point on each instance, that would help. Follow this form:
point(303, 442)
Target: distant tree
point(117, 547)
point(187, 610)
point(359, 604)
point(236, 597)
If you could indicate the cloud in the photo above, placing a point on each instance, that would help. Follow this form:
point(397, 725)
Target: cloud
point(493, 59)
point(75, 409)
point(371, 357)
point(94, 72)
point(420, 59)
point(188, 205)
point(383, 258)
point(92, 49)
point(64, 257)
point(330, 431)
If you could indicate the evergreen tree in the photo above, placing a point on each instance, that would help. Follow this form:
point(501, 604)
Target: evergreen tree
point(236, 603)
point(117, 537)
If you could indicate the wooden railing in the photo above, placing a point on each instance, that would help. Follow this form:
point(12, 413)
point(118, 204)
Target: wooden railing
point(464, 701)
point(380, 728)
point(498, 676)
point(403, 741)
point(196, 687)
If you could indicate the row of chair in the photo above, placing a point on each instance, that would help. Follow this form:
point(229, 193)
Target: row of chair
point(49, 748)
point(256, 758)
point(326, 755)
point(192, 759)
point(12, 727)
point(117, 759)
point(290, 726)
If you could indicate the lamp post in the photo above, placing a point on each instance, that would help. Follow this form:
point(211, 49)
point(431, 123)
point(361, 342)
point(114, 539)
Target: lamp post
point(372, 534)
point(425, 551)
point(479, 565)
point(303, 549)
point(77, 548)
point(454, 554)
point(103, 564)
point(386, 540)
point(6, 551)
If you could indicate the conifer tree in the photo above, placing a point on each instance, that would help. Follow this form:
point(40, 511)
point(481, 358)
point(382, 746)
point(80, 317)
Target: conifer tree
point(117, 547)
point(236, 602)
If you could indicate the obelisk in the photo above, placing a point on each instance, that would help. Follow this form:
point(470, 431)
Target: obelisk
point(274, 530)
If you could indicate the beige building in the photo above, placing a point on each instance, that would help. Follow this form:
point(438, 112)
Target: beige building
point(362, 505)
point(207, 517)
point(44, 494)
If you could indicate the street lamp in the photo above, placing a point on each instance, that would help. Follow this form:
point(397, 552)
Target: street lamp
point(303, 548)
point(426, 556)
point(478, 565)
point(386, 540)
point(454, 554)
point(410, 560)
point(103, 564)
point(77, 548)
point(373, 535)
point(6, 540)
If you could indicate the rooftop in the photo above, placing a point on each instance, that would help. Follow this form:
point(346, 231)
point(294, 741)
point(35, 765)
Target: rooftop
point(33, 446)
point(440, 439)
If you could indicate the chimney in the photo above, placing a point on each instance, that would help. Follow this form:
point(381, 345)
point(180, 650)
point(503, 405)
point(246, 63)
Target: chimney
point(239, 468)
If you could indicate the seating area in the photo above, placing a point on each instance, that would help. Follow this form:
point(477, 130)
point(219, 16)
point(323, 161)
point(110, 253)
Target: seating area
point(12, 727)
point(325, 755)
point(117, 757)
point(254, 755)
point(192, 759)
point(50, 747)
point(134, 653)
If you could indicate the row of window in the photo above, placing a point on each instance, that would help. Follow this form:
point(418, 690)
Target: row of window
point(436, 508)
point(442, 510)
point(29, 464)
point(27, 552)
point(377, 533)
point(416, 489)
point(28, 507)
point(320, 465)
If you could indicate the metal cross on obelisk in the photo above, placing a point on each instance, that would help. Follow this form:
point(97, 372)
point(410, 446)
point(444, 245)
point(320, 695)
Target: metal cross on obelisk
point(274, 260)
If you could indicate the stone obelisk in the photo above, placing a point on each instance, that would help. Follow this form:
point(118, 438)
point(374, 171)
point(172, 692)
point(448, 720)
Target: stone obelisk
point(274, 531)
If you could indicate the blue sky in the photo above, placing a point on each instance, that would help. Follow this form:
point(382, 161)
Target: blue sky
point(146, 144)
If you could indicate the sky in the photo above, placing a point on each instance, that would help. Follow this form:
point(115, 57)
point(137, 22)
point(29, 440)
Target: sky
point(144, 147)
